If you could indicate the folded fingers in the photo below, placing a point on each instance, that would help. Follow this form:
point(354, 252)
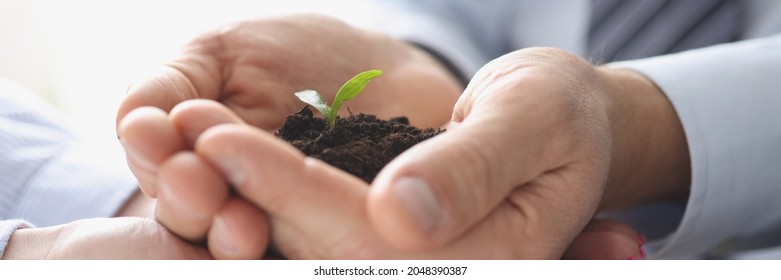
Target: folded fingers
point(149, 139)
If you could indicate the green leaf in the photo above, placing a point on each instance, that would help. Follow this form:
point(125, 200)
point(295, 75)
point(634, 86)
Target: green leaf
point(351, 89)
point(313, 98)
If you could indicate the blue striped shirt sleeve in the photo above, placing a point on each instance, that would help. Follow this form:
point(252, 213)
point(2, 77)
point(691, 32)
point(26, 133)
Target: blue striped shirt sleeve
point(48, 174)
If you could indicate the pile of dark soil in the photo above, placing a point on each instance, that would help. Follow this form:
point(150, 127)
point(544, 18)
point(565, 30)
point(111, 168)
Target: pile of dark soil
point(359, 144)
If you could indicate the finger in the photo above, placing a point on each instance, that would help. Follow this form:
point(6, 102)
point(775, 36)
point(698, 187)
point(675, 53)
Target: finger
point(191, 192)
point(604, 246)
point(239, 231)
point(149, 138)
point(193, 117)
point(607, 239)
point(258, 161)
point(323, 206)
point(603, 225)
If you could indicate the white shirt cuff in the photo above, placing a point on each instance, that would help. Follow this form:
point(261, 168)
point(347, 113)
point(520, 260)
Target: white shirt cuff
point(727, 98)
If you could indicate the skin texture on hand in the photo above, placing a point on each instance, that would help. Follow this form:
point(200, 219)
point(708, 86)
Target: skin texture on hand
point(101, 238)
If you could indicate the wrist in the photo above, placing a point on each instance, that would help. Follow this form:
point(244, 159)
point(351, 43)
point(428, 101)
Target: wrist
point(650, 157)
point(31, 243)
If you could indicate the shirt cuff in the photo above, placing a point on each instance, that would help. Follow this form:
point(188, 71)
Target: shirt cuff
point(727, 99)
point(85, 180)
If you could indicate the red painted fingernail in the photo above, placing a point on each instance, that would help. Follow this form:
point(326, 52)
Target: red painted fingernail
point(631, 258)
point(642, 252)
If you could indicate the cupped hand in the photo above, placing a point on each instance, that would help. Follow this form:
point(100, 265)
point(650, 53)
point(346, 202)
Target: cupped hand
point(526, 158)
point(501, 183)
point(254, 67)
point(538, 142)
point(317, 211)
point(102, 238)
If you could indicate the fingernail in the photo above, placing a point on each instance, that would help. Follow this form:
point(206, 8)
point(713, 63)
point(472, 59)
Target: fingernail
point(420, 202)
point(220, 237)
point(232, 170)
point(642, 252)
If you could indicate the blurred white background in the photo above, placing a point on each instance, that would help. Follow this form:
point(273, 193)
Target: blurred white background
point(81, 54)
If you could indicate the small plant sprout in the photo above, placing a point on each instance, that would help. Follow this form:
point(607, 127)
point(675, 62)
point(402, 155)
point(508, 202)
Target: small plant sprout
point(349, 90)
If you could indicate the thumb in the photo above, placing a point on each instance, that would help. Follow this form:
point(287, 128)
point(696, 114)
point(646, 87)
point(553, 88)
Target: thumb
point(440, 188)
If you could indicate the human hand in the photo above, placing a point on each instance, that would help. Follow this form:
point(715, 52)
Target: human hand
point(538, 141)
point(101, 238)
point(254, 67)
point(499, 199)
point(317, 211)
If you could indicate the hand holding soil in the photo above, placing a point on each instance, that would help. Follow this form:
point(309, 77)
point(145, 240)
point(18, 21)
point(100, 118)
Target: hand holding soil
point(519, 173)
point(253, 67)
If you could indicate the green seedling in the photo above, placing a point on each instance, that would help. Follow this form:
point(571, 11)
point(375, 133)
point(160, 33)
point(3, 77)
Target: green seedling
point(349, 90)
